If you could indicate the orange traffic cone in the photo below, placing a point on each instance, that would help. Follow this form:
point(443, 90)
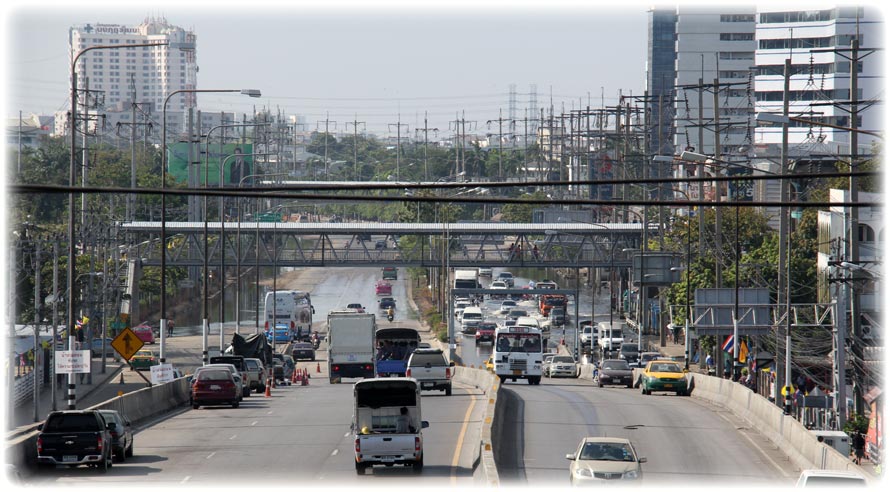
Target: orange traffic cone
point(268, 388)
point(273, 380)
point(318, 367)
point(294, 378)
point(305, 378)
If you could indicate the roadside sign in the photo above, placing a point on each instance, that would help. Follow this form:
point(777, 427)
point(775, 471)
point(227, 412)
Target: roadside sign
point(72, 361)
point(127, 343)
point(162, 373)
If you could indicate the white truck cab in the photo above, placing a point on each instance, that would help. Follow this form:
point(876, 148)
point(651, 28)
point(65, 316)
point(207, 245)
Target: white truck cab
point(387, 423)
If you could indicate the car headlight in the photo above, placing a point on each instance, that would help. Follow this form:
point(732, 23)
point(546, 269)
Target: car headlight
point(583, 472)
point(633, 474)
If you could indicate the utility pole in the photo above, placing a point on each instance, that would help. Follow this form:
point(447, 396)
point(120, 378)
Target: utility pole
point(500, 136)
point(398, 124)
point(426, 130)
point(327, 122)
point(718, 213)
point(355, 123)
point(131, 199)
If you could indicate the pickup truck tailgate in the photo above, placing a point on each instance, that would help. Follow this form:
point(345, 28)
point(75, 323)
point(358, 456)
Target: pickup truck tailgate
point(386, 447)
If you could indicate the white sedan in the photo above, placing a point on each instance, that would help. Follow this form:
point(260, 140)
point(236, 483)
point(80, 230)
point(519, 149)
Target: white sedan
point(499, 285)
point(506, 306)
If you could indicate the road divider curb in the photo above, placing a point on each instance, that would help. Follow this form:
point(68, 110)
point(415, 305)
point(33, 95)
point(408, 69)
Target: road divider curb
point(488, 383)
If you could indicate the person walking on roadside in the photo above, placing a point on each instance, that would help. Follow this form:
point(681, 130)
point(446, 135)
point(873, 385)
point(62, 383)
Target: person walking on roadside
point(858, 447)
point(169, 327)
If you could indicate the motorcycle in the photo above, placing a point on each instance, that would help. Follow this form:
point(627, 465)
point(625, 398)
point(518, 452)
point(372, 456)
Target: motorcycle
point(390, 315)
point(315, 341)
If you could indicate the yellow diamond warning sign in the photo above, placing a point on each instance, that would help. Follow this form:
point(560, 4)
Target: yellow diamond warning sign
point(127, 343)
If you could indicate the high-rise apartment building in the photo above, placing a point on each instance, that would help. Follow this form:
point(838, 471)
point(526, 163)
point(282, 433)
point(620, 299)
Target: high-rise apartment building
point(140, 74)
point(714, 44)
point(818, 44)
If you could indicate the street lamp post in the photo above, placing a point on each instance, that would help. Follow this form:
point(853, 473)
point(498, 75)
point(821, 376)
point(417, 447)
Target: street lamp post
point(163, 321)
point(72, 179)
point(222, 218)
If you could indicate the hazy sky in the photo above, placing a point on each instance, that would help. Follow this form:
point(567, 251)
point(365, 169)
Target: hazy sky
point(366, 60)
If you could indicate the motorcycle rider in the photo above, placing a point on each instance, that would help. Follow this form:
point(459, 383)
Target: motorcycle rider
point(390, 313)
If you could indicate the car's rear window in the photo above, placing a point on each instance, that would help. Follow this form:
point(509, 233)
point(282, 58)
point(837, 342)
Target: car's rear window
point(629, 347)
point(564, 359)
point(302, 345)
point(73, 422)
point(431, 359)
point(616, 365)
point(214, 375)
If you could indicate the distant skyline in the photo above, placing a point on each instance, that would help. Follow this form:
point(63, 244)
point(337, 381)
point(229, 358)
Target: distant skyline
point(380, 64)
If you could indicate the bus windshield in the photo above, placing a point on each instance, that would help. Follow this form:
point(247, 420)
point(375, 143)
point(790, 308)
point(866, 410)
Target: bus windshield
point(518, 342)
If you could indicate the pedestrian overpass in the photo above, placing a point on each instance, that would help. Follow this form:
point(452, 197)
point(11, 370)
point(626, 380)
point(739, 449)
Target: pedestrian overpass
point(363, 244)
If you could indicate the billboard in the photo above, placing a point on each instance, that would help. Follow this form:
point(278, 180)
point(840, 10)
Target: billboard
point(236, 164)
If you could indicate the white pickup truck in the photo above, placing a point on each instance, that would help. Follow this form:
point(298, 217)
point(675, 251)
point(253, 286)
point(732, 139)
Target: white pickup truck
point(430, 368)
point(387, 423)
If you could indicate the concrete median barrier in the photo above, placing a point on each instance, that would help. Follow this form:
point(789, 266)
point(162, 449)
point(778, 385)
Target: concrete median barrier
point(488, 435)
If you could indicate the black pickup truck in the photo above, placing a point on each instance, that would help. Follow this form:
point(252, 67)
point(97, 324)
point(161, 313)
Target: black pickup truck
point(75, 437)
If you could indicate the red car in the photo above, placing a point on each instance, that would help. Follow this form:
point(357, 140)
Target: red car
point(383, 288)
point(144, 333)
point(214, 387)
point(485, 332)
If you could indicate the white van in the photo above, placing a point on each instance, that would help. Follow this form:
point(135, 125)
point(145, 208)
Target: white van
point(610, 336)
point(528, 322)
point(470, 319)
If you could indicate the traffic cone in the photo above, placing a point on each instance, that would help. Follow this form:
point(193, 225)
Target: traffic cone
point(273, 380)
point(305, 378)
point(318, 367)
point(294, 377)
point(268, 388)
point(122, 379)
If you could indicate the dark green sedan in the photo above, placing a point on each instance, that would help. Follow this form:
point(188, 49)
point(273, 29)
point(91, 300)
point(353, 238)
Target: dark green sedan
point(664, 375)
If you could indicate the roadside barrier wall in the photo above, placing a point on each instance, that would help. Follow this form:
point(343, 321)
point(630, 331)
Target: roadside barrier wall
point(138, 406)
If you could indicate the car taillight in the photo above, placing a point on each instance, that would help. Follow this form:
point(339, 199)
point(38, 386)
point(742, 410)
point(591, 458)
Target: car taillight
point(447, 373)
point(39, 445)
point(416, 444)
point(266, 326)
point(337, 368)
point(292, 326)
point(114, 434)
point(99, 442)
point(408, 373)
point(358, 445)
point(368, 367)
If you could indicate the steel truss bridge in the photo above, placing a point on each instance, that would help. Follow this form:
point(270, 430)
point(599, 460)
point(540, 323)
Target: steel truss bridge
point(302, 244)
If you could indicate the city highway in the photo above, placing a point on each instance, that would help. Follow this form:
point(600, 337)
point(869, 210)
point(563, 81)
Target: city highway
point(302, 433)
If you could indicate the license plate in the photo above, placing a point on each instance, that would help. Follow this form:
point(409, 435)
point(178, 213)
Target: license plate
point(69, 458)
point(669, 386)
point(215, 387)
point(388, 459)
point(516, 372)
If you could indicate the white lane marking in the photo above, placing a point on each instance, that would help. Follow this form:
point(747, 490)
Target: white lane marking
point(253, 423)
point(210, 455)
point(346, 435)
point(335, 452)
point(233, 437)
point(186, 479)
point(756, 446)
point(269, 412)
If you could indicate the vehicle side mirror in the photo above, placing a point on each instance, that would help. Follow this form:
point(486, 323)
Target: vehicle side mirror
point(313, 309)
point(111, 426)
point(40, 427)
point(424, 424)
point(451, 364)
point(570, 457)
point(643, 459)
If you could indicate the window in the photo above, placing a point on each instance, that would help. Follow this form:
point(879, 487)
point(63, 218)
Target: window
point(866, 233)
point(737, 18)
point(737, 36)
point(736, 55)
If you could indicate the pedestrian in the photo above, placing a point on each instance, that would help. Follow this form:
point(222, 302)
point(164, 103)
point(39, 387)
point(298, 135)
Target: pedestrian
point(675, 330)
point(858, 447)
point(169, 327)
point(709, 361)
